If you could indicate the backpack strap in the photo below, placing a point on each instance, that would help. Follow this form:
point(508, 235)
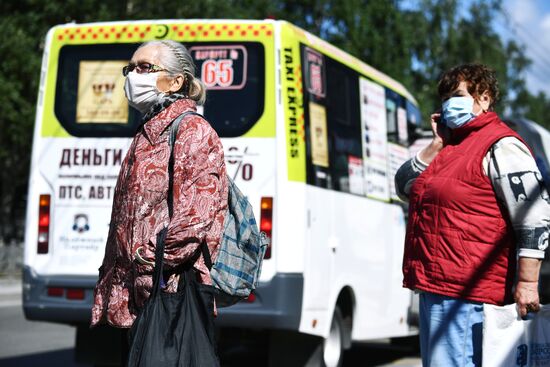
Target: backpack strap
point(158, 281)
point(174, 127)
point(171, 142)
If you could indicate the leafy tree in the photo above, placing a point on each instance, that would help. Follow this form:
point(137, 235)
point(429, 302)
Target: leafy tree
point(374, 31)
point(533, 107)
point(379, 34)
point(453, 39)
point(18, 86)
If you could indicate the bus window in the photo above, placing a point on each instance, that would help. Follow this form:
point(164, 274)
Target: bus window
point(395, 117)
point(413, 114)
point(344, 124)
point(338, 99)
point(315, 112)
point(235, 78)
point(391, 118)
point(234, 75)
point(81, 65)
point(333, 122)
point(414, 122)
point(342, 154)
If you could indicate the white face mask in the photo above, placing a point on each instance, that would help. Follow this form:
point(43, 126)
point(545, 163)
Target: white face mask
point(141, 90)
point(457, 111)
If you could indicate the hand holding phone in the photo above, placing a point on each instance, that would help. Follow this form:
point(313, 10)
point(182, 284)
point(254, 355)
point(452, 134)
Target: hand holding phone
point(436, 117)
point(440, 131)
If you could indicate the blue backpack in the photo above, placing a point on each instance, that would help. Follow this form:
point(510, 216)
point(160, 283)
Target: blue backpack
point(236, 272)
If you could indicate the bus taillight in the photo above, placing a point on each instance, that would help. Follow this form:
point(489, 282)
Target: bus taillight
point(266, 222)
point(43, 224)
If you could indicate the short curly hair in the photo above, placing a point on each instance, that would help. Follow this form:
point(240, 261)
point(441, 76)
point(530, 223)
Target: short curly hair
point(480, 79)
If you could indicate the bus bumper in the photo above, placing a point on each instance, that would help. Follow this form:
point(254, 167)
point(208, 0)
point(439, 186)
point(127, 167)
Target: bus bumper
point(39, 306)
point(277, 305)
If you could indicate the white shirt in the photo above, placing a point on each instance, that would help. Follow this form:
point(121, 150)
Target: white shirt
point(518, 185)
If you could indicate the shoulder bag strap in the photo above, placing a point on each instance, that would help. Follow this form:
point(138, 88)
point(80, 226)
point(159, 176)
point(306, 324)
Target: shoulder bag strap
point(161, 236)
point(171, 141)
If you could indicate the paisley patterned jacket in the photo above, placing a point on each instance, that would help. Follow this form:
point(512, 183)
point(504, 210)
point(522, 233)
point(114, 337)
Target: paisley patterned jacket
point(140, 211)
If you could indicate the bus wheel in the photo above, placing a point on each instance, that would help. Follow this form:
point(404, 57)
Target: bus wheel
point(333, 345)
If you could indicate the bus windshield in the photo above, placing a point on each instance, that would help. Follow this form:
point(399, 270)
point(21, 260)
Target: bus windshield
point(90, 76)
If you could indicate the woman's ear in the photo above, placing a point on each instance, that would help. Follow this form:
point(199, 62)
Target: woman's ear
point(177, 83)
point(485, 101)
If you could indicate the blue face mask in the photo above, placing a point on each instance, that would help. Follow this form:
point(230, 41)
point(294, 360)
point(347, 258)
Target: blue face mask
point(456, 111)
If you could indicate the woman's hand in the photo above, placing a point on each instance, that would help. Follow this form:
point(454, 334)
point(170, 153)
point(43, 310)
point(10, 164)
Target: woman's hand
point(526, 294)
point(527, 297)
point(440, 133)
point(439, 130)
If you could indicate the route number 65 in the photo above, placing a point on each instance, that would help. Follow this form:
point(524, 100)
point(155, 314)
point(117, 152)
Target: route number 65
point(217, 72)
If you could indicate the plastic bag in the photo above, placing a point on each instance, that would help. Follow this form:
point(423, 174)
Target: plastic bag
point(510, 341)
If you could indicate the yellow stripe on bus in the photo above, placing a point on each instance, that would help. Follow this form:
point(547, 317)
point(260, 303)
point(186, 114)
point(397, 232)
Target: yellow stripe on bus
point(292, 94)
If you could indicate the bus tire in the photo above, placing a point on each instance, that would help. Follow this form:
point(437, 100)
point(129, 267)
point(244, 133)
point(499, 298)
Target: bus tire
point(333, 345)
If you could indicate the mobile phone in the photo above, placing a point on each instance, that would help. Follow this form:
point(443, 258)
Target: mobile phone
point(438, 119)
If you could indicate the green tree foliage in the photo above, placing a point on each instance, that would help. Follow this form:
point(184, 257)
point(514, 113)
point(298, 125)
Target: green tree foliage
point(374, 31)
point(534, 107)
point(19, 72)
point(453, 39)
point(412, 41)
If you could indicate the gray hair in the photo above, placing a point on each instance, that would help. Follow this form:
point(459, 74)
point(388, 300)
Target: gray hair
point(176, 59)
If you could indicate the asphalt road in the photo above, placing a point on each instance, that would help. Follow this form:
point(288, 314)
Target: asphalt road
point(25, 344)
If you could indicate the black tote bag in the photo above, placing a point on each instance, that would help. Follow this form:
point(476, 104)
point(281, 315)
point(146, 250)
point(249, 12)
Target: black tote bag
point(175, 329)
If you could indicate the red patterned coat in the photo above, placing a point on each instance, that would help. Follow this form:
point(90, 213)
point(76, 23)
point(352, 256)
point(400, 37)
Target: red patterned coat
point(140, 211)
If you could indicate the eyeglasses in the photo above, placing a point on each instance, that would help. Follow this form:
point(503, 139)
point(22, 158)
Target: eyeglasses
point(141, 68)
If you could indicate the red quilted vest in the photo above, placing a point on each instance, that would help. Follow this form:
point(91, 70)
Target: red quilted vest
point(459, 241)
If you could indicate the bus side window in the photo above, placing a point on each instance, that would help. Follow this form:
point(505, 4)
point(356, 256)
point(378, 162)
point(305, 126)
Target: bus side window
point(391, 118)
point(315, 115)
point(344, 123)
point(395, 117)
point(414, 122)
point(337, 115)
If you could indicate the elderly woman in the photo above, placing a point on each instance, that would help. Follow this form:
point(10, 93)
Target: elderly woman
point(160, 83)
point(476, 203)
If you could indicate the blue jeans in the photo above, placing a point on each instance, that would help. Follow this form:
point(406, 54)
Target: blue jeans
point(450, 331)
